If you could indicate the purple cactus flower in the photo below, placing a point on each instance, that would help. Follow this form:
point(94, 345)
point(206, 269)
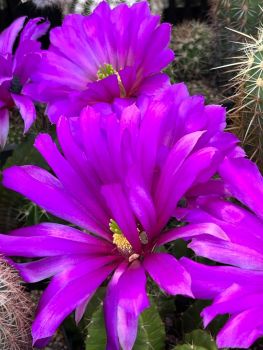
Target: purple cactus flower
point(111, 53)
point(16, 70)
point(237, 289)
point(119, 181)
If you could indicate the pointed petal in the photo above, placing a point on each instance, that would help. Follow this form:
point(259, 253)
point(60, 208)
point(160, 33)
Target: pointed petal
point(26, 108)
point(168, 273)
point(245, 182)
point(47, 191)
point(192, 230)
point(111, 308)
point(4, 126)
point(209, 281)
point(64, 294)
point(9, 35)
point(228, 253)
point(233, 300)
point(132, 301)
point(241, 330)
point(122, 213)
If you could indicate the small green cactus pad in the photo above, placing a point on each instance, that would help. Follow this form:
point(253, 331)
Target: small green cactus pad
point(192, 42)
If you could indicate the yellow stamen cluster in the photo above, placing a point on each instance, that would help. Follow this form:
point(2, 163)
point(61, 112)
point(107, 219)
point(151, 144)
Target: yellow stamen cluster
point(105, 71)
point(119, 239)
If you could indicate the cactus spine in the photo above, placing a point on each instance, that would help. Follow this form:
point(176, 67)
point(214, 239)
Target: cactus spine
point(247, 117)
point(244, 16)
point(15, 311)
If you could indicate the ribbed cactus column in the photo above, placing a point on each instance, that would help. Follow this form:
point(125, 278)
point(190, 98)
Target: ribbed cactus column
point(247, 117)
point(15, 311)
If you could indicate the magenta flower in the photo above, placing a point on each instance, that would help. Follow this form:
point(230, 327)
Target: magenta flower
point(111, 53)
point(237, 289)
point(120, 180)
point(16, 70)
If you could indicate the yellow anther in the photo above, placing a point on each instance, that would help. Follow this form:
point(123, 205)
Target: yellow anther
point(119, 239)
point(122, 244)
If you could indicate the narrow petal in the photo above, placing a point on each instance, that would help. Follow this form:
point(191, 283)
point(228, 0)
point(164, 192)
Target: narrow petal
point(4, 126)
point(46, 191)
point(26, 108)
point(111, 308)
point(233, 300)
point(48, 267)
point(122, 213)
point(245, 182)
point(34, 29)
point(168, 273)
point(68, 291)
point(71, 180)
point(192, 230)
point(241, 330)
point(9, 35)
point(228, 253)
point(132, 301)
point(209, 281)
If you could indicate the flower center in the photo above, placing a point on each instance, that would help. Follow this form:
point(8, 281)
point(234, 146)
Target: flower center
point(105, 71)
point(16, 86)
point(119, 239)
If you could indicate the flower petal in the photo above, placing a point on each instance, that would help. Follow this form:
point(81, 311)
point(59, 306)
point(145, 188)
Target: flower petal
point(168, 273)
point(64, 294)
point(26, 108)
point(47, 191)
point(132, 301)
point(241, 330)
point(4, 126)
point(209, 281)
point(228, 253)
point(111, 308)
point(245, 182)
point(9, 35)
point(233, 300)
point(192, 230)
point(122, 213)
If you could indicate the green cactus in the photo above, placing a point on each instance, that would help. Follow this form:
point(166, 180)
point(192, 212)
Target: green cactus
point(200, 87)
point(192, 42)
point(242, 16)
point(15, 311)
point(16, 132)
point(247, 117)
point(87, 6)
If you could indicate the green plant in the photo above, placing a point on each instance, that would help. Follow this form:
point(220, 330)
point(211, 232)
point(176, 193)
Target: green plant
point(247, 117)
point(242, 16)
point(201, 87)
point(192, 42)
